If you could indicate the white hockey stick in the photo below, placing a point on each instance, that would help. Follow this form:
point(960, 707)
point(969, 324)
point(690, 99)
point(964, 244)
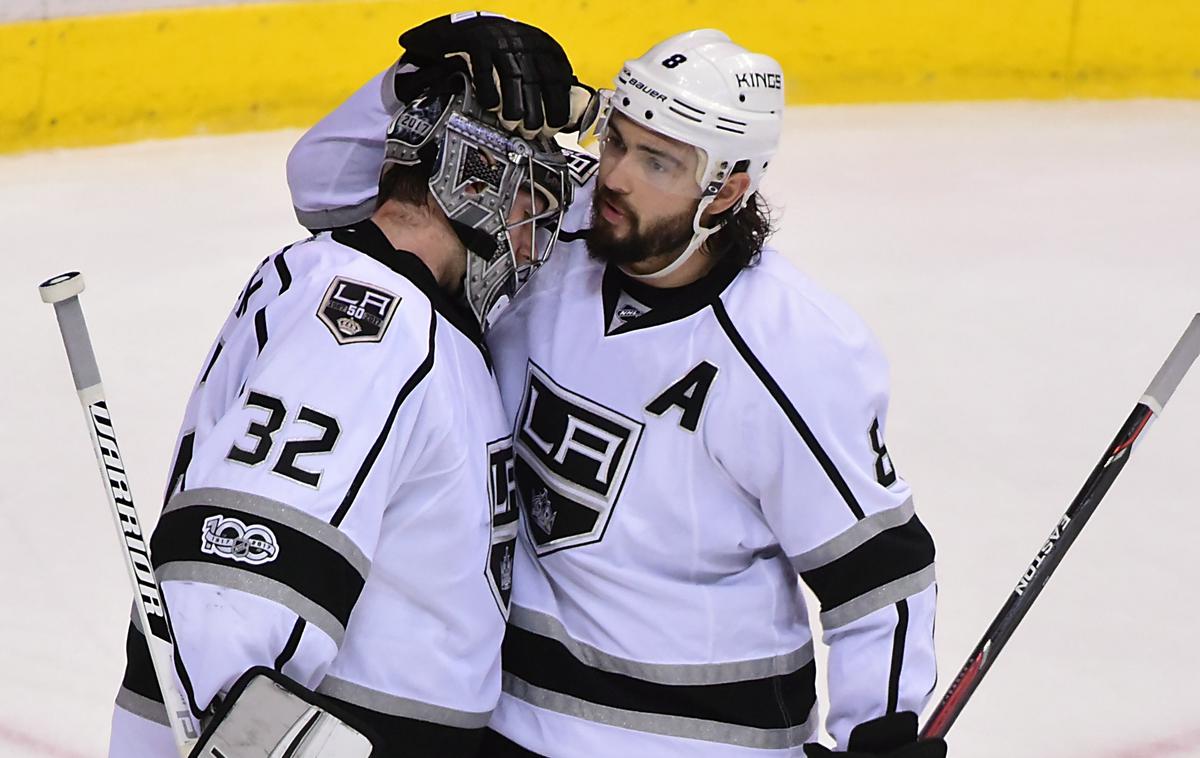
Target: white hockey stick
point(62, 292)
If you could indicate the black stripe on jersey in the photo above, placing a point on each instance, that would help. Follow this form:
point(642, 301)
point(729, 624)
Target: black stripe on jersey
point(886, 557)
point(292, 645)
point(181, 670)
point(496, 745)
point(281, 268)
point(252, 286)
point(897, 655)
point(260, 328)
point(411, 738)
point(212, 361)
point(778, 702)
point(789, 410)
point(306, 565)
point(139, 669)
point(420, 373)
point(183, 458)
point(580, 234)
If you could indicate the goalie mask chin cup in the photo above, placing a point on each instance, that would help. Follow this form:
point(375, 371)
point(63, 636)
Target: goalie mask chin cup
point(477, 172)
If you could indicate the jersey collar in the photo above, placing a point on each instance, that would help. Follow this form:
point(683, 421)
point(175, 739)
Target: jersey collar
point(369, 239)
point(665, 304)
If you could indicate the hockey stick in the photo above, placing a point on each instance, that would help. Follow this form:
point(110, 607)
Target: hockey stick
point(62, 292)
point(1065, 532)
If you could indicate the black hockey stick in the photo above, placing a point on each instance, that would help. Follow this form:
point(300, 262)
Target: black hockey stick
point(1064, 533)
point(62, 292)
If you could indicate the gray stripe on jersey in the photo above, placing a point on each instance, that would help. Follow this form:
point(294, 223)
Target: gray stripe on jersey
point(330, 536)
point(394, 705)
point(661, 673)
point(332, 218)
point(140, 705)
point(854, 537)
point(880, 597)
point(657, 723)
point(253, 584)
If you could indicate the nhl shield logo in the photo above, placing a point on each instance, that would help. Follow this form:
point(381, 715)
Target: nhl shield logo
point(356, 312)
point(228, 537)
point(628, 313)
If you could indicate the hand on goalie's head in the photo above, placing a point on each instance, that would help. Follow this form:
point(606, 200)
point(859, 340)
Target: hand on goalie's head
point(519, 71)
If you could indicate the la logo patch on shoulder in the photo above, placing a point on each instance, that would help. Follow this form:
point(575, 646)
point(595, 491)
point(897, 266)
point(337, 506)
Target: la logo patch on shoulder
point(356, 312)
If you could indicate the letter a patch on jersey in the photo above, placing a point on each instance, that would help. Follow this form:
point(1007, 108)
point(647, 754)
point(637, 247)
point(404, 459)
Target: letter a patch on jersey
point(356, 312)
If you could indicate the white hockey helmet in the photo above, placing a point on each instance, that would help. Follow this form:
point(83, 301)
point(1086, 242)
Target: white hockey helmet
point(702, 89)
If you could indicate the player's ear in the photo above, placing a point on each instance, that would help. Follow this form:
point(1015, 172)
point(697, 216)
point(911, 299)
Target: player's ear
point(735, 186)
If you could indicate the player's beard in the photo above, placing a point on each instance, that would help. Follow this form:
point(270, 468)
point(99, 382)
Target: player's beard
point(638, 244)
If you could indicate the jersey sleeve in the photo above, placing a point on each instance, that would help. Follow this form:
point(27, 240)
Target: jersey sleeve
point(297, 444)
point(828, 490)
point(333, 170)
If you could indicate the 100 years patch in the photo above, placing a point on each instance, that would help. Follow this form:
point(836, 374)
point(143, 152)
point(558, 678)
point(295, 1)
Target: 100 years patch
point(356, 312)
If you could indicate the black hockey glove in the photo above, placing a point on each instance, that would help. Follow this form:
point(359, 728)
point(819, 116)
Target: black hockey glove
point(516, 69)
point(891, 736)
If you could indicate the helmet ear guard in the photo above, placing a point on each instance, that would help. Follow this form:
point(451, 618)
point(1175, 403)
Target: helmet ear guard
point(476, 171)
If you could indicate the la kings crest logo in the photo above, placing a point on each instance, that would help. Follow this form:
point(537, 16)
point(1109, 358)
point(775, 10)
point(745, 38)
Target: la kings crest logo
point(502, 488)
point(573, 456)
point(581, 165)
point(356, 312)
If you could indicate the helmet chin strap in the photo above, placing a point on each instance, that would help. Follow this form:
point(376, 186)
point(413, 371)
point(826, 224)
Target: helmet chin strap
point(699, 235)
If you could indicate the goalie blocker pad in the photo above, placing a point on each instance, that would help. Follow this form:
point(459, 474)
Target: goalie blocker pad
point(268, 715)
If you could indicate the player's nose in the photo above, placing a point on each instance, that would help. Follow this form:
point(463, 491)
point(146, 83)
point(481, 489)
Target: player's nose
point(617, 178)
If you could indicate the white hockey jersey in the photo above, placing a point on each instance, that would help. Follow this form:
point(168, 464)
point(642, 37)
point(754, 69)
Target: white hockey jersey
point(339, 504)
point(681, 456)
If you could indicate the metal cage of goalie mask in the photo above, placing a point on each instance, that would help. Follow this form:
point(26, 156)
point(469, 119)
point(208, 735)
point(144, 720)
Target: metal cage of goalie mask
point(475, 171)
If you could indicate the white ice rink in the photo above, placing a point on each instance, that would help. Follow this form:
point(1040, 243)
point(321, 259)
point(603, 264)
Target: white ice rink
point(1026, 266)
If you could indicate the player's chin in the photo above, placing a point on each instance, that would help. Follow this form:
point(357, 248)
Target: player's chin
point(608, 247)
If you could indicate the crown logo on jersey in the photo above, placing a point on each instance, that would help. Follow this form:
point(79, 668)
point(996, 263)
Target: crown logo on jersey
point(542, 511)
point(348, 326)
point(231, 538)
point(506, 567)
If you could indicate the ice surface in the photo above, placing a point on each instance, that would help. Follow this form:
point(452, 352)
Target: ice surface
point(1027, 267)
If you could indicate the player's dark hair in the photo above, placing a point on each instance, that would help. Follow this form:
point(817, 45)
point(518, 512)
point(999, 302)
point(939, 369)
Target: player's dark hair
point(405, 184)
point(741, 238)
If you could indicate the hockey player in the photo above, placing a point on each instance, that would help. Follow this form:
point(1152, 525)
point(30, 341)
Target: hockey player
point(695, 423)
point(338, 516)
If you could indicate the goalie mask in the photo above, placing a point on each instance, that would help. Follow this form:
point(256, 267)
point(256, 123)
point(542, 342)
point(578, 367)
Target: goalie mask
point(478, 174)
